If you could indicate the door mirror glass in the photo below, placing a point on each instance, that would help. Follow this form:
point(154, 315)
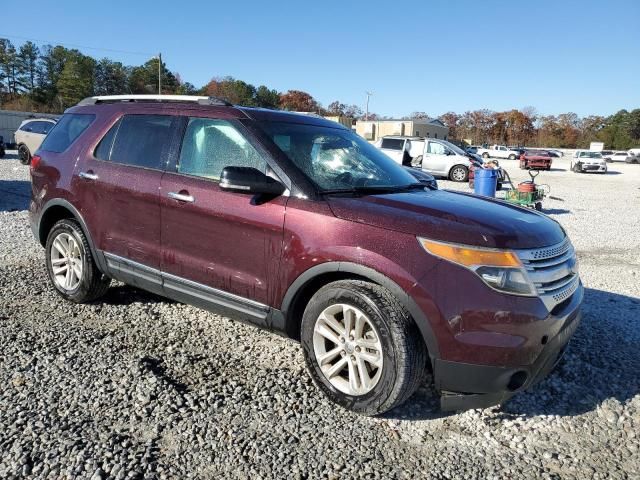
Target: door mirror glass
point(249, 180)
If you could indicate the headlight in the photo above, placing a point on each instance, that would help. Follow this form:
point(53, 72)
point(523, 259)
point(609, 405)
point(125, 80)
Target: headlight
point(500, 269)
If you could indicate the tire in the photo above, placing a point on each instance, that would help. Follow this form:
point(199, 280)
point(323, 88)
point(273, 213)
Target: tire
point(538, 206)
point(485, 155)
point(402, 355)
point(459, 173)
point(512, 157)
point(85, 286)
point(417, 162)
point(24, 154)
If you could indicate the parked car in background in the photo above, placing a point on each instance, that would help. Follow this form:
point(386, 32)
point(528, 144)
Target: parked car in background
point(444, 159)
point(30, 135)
point(607, 153)
point(535, 160)
point(619, 156)
point(472, 149)
point(588, 161)
point(498, 151)
point(298, 225)
point(631, 158)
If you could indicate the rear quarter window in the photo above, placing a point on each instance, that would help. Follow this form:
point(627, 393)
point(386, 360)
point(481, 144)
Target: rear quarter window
point(65, 132)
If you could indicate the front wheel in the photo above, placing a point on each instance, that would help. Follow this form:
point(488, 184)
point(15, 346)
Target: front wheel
point(24, 155)
point(512, 157)
point(459, 173)
point(485, 155)
point(361, 347)
point(70, 265)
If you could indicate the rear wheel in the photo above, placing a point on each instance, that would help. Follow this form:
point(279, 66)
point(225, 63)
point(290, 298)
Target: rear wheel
point(361, 347)
point(485, 155)
point(70, 265)
point(459, 173)
point(512, 157)
point(24, 154)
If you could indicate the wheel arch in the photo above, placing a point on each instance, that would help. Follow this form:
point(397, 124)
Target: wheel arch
point(56, 210)
point(309, 282)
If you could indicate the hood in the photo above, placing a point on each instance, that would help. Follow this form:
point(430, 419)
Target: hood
point(452, 217)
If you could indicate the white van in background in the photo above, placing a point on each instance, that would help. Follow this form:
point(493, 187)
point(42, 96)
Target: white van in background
point(437, 157)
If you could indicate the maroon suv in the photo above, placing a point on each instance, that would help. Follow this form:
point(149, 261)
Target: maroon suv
point(298, 225)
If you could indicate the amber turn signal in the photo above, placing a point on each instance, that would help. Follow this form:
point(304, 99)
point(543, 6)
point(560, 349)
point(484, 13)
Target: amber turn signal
point(469, 256)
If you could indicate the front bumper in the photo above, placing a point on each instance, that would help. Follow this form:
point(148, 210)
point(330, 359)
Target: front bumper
point(466, 385)
point(592, 167)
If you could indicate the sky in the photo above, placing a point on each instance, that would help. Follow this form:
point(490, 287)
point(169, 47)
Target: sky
point(430, 55)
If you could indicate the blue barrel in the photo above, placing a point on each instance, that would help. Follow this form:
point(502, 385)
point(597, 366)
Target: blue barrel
point(485, 182)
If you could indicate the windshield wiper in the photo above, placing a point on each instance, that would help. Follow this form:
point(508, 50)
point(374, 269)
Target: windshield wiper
point(376, 189)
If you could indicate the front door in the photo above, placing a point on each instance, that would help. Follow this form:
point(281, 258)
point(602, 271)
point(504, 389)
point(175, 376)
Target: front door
point(435, 159)
point(218, 245)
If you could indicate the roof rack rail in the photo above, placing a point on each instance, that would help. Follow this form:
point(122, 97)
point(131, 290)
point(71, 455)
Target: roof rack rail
point(202, 100)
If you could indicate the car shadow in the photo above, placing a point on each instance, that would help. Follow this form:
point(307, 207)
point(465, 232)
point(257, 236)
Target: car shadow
point(14, 195)
point(555, 211)
point(10, 155)
point(601, 366)
point(127, 295)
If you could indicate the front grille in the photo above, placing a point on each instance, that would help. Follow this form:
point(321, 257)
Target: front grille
point(553, 270)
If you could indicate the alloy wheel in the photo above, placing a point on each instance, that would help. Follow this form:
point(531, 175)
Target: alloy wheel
point(458, 174)
point(67, 259)
point(348, 349)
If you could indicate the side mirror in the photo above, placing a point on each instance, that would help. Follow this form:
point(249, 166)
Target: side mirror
point(249, 180)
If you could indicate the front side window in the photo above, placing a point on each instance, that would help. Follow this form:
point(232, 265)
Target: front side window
point(210, 145)
point(436, 148)
point(141, 141)
point(335, 158)
point(64, 133)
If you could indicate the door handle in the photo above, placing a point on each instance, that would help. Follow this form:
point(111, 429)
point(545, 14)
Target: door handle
point(88, 175)
point(182, 197)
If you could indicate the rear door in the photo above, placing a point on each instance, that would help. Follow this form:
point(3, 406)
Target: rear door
point(393, 147)
point(118, 184)
point(219, 247)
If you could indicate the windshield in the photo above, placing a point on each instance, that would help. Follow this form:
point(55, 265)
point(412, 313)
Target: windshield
point(590, 155)
point(336, 158)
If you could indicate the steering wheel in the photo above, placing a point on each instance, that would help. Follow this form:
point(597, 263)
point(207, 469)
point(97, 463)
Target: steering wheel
point(345, 177)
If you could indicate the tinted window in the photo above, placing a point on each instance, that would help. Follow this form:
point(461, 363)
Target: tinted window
point(41, 127)
point(70, 126)
point(210, 145)
point(142, 140)
point(103, 150)
point(392, 143)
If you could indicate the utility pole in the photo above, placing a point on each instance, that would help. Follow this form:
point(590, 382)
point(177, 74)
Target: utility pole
point(159, 74)
point(366, 115)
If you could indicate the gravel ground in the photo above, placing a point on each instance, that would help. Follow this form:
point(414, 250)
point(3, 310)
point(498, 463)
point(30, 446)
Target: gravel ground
point(136, 386)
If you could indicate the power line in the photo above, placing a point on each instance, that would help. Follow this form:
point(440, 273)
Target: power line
point(64, 44)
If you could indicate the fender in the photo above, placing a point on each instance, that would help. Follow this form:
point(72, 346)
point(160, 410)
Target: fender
point(376, 277)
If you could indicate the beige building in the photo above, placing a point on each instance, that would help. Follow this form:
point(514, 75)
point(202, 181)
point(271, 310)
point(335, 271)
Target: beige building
point(372, 130)
point(341, 119)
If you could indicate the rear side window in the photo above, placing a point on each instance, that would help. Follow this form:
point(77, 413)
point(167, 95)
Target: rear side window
point(70, 126)
point(392, 143)
point(140, 141)
point(209, 145)
point(103, 150)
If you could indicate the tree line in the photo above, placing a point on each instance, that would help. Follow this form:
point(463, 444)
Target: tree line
point(52, 78)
